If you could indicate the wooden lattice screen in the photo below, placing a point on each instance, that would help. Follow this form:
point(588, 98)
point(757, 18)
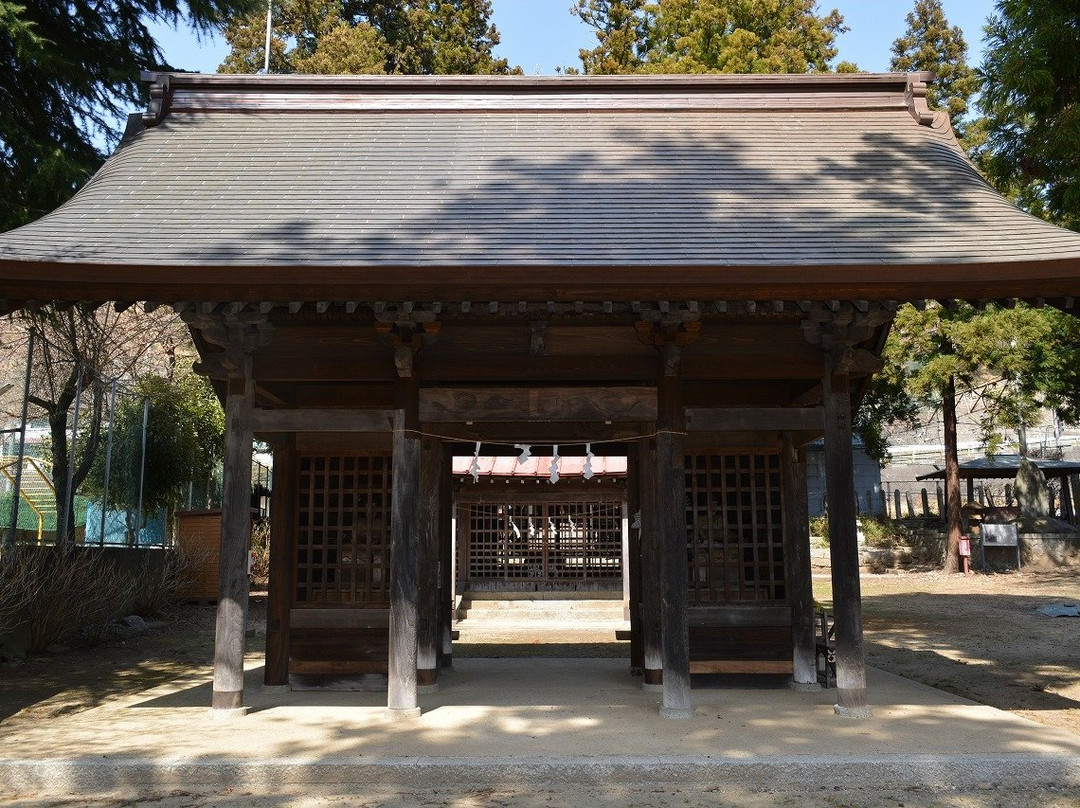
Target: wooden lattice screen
point(343, 530)
point(734, 520)
point(547, 541)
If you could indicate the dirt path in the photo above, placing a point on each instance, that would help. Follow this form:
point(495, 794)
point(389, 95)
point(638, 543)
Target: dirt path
point(980, 637)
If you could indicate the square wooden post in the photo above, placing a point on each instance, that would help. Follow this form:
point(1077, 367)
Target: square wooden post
point(401, 697)
point(232, 606)
point(798, 571)
point(430, 510)
point(652, 644)
point(446, 562)
point(282, 579)
point(671, 514)
point(844, 548)
point(633, 556)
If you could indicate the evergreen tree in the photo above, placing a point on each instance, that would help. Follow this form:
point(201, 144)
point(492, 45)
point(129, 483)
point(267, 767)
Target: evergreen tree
point(1030, 82)
point(710, 36)
point(367, 36)
point(1015, 360)
point(68, 73)
point(620, 30)
point(930, 43)
point(741, 36)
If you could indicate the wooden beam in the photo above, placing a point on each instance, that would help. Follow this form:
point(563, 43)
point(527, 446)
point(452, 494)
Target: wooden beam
point(798, 571)
point(746, 419)
point(671, 514)
point(282, 563)
point(232, 606)
point(502, 404)
point(844, 549)
point(319, 420)
point(430, 509)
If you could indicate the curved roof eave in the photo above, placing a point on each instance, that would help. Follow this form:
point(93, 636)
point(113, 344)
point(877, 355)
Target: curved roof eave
point(339, 188)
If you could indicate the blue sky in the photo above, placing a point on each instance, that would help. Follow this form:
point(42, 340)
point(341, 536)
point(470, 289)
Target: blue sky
point(541, 35)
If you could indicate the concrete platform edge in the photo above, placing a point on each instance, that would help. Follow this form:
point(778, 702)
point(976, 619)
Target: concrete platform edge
point(94, 775)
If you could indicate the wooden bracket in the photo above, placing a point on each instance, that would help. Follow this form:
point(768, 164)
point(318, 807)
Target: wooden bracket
point(159, 98)
point(662, 334)
point(537, 339)
point(407, 342)
point(853, 361)
point(240, 335)
point(915, 95)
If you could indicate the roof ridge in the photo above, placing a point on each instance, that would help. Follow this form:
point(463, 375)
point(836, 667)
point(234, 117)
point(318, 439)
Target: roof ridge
point(191, 92)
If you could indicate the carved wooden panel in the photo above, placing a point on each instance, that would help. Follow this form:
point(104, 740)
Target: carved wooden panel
point(734, 521)
point(545, 541)
point(343, 530)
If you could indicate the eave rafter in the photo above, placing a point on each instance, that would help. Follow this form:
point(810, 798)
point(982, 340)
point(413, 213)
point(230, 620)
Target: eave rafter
point(423, 313)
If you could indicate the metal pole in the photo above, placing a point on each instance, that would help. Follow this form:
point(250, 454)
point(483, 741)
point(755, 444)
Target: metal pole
point(269, 24)
point(17, 485)
point(108, 462)
point(139, 521)
point(69, 497)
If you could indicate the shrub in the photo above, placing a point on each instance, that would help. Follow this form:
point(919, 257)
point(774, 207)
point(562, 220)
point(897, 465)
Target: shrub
point(62, 590)
point(260, 549)
point(160, 585)
point(884, 533)
point(819, 526)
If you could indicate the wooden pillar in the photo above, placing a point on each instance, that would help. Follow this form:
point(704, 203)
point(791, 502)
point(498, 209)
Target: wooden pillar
point(404, 546)
point(282, 562)
point(1067, 512)
point(671, 514)
point(844, 548)
point(633, 556)
point(446, 562)
point(429, 639)
point(232, 606)
point(652, 645)
point(800, 585)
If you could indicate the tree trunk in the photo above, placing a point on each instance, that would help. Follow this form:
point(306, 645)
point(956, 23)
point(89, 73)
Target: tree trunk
point(952, 478)
point(60, 460)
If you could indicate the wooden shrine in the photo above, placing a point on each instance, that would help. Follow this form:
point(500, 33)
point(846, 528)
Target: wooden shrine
point(380, 272)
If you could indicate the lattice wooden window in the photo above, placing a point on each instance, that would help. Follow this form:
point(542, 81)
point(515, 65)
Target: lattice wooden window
point(734, 521)
point(553, 541)
point(343, 530)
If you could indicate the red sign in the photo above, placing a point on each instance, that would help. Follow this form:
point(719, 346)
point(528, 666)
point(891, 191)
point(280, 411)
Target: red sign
point(965, 547)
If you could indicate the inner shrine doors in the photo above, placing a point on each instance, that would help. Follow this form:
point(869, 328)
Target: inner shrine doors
point(541, 541)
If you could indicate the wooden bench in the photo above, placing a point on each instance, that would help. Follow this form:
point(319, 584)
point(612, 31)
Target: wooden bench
point(740, 640)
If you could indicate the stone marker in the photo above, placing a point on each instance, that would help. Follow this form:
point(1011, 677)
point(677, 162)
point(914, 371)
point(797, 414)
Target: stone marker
point(1032, 491)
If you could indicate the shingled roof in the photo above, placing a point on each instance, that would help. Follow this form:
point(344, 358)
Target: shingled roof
point(286, 187)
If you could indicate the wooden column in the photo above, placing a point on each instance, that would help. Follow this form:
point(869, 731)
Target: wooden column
point(404, 546)
point(282, 562)
point(844, 547)
point(232, 606)
point(446, 563)
point(633, 556)
point(652, 644)
point(800, 586)
point(430, 501)
point(671, 515)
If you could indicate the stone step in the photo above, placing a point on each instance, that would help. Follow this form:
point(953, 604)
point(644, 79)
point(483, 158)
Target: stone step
point(540, 610)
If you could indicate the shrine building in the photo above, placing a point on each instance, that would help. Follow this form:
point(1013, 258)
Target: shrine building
point(694, 273)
